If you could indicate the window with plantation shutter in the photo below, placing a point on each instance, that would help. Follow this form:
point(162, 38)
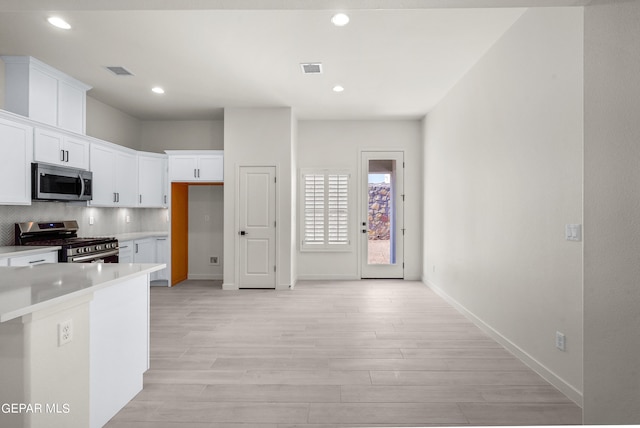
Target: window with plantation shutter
point(314, 209)
point(325, 205)
point(338, 201)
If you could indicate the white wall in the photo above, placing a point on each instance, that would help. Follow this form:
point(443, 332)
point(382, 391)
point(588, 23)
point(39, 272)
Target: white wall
point(259, 137)
point(113, 125)
point(503, 175)
point(611, 214)
point(205, 231)
point(158, 136)
point(337, 144)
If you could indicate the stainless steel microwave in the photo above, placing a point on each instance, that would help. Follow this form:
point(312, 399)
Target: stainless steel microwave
point(58, 183)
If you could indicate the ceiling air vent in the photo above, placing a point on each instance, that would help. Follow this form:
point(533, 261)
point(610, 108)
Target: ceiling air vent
point(311, 68)
point(120, 71)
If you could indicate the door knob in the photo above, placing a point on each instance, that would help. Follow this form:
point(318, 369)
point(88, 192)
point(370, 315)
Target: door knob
point(242, 233)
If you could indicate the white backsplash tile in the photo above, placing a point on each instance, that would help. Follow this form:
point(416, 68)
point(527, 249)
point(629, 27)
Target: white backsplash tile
point(107, 221)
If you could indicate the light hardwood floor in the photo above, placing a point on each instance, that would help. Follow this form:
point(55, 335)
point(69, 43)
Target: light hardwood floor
point(329, 354)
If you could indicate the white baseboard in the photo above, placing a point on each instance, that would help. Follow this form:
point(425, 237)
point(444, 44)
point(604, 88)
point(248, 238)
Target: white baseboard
point(227, 286)
point(327, 277)
point(209, 276)
point(566, 388)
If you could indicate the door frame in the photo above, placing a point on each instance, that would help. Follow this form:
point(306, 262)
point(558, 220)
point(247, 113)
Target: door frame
point(361, 206)
point(236, 222)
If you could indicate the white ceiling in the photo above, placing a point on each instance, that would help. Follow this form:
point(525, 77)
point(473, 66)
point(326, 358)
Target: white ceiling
point(393, 63)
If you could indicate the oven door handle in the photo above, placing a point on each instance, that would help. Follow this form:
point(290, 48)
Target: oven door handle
point(93, 256)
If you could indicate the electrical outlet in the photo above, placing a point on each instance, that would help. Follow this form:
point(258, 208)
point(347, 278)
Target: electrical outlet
point(65, 332)
point(91, 220)
point(561, 341)
point(128, 219)
point(213, 260)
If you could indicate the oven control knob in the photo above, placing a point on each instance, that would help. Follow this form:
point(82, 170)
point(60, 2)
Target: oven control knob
point(98, 247)
point(79, 250)
point(85, 249)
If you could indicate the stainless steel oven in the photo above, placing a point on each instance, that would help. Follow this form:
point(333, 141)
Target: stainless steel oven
point(74, 249)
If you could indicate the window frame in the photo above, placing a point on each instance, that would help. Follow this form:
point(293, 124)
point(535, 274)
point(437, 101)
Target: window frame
point(325, 245)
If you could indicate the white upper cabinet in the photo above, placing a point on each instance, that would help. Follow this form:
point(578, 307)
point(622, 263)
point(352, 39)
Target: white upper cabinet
point(196, 165)
point(59, 149)
point(152, 179)
point(42, 93)
point(115, 176)
point(16, 141)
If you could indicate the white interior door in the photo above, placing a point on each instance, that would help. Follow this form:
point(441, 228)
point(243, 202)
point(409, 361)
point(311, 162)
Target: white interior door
point(382, 216)
point(257, 227)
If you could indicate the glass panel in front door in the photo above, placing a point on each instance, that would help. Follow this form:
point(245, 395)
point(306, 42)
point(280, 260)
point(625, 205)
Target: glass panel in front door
point(381, 212)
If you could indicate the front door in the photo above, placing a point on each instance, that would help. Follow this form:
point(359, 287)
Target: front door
point(382, 217)
point(257, 227)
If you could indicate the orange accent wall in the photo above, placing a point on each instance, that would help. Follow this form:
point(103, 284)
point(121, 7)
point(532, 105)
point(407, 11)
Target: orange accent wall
point(179, 232)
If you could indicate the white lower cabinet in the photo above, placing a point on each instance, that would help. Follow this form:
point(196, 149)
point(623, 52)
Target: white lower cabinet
point(147, 250)
point(144, 250)
point(4, 262)
point(125, 252)
point(162, 256)
point(34, 259)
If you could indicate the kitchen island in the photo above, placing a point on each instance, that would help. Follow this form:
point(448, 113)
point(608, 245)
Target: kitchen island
point(74, 342)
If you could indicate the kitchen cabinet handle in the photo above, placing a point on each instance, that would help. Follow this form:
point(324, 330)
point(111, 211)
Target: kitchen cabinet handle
point(198, 172)
point(165, 199)
point(195, 174)
point(115, 198)
point(136, 248)
point(67, 153)
point(37, 261)
point(61, 155)
point(118, 195)
point(140, 198)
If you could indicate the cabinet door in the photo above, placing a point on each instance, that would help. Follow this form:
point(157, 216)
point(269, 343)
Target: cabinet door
point(126, 170)
point(34, 259)
point(71, 107)
point(4, 262)
point(183, 168)
point(43, 97)
point(103, 161)
point(76, 152)
point(144, 250)
point(48, 147)
point(16, 141)
point(162, 255)
point(151, 181)
point(210, 168)
point(125, 252)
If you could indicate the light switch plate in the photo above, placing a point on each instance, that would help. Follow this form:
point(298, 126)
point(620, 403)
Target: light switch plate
point(573, 232)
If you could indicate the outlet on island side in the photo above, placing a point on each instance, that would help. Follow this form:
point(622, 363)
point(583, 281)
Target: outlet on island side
point(561, 341)
point(65, 332)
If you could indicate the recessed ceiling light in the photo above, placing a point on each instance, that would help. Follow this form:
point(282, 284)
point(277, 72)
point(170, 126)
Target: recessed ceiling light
point(338, 88)
point(56, 21)
point(157, 90)
point(340, 19)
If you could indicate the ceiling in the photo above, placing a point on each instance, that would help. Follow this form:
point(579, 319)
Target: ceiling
point(393, 63)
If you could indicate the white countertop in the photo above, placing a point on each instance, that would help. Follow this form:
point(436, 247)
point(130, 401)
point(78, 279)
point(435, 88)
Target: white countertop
point(24, 290)
point(140, 235)
point(24, 250)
